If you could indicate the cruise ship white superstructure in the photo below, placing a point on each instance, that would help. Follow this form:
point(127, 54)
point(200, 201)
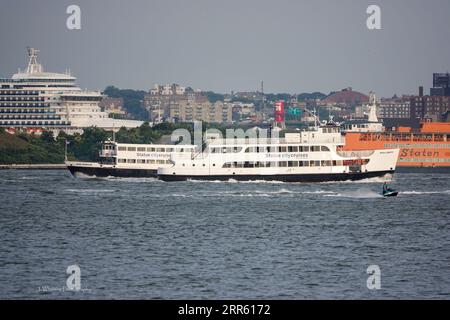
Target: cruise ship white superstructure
point(35, 100)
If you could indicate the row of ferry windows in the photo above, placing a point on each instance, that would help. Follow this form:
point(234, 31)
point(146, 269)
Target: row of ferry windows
point(281, 164)
point(142, 161)
point(153, 149)
point(287, 149)
point(233, 149)
point(261, 164)
point(269, 149)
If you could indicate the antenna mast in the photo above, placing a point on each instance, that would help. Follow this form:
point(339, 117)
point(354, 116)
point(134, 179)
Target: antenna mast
point(263, 109)
point(33, 64)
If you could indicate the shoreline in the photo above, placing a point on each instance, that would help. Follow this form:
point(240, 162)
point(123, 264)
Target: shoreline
point(41, 166)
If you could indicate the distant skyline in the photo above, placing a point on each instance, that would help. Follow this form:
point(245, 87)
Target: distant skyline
point(230, 45)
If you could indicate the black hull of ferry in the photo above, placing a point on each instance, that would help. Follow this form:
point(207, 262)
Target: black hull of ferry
point(112, 172)
point(322, 177)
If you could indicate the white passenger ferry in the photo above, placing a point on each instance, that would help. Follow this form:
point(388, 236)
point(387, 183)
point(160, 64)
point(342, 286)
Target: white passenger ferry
point(308, 156)
point(130, 160)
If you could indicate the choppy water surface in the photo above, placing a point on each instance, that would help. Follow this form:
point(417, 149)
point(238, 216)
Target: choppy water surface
point(143, 238)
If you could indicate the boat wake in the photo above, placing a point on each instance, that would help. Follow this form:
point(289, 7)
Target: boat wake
point(362, 193)
point(367, 180)
point(28, 178)
point(83, 176)
point(90, 191)
point(134, 180)
point(425, 192)
point(249, 193)
point(236, 181)
point(286, 191)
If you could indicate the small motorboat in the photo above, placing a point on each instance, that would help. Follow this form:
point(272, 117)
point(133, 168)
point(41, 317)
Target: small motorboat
point(388, 192)
point(391, 193)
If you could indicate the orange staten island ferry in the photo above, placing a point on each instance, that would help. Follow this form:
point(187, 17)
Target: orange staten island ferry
point(426, 149)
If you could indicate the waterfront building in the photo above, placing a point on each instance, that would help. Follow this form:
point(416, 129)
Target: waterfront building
point(112, 105)
point(394, 108)
point(186, 111)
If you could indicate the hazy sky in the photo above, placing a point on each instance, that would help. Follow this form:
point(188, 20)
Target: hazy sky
point(294, 46)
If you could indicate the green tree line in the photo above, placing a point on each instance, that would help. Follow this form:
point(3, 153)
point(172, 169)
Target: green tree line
point(24, 148)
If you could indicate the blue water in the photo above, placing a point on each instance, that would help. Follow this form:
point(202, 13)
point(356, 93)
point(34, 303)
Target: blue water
point(143, 238)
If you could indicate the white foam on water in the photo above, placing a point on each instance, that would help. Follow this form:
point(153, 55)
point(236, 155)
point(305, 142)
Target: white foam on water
point(10, 180)
point(263, 181)
point(236, 181)
point(134, 180)
point(425, 192)
point(84, 176)
point(318, 192)
point(112, 178)
point(251, 193)
point(211, 181)
point(287, 191)
point(281, 191)
point(357, 194)
point(367, 180)
point(181, 195)
point(215, 195)
point(89, 191)
point(28, 178)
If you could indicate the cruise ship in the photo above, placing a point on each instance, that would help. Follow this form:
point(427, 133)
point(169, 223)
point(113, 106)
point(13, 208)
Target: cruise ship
point(34, 101)
point(426, 149)
point(314, 155)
